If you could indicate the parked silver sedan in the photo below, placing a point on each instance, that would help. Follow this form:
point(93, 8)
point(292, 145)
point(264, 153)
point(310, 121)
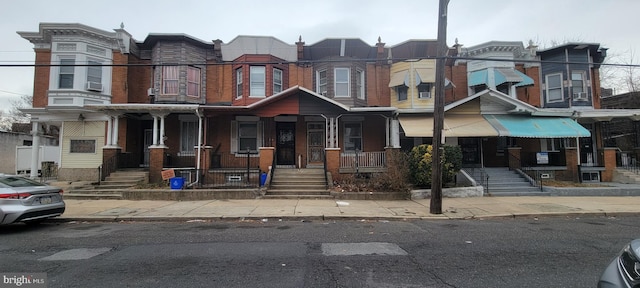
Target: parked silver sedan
point(624, 270)
point(28, 201)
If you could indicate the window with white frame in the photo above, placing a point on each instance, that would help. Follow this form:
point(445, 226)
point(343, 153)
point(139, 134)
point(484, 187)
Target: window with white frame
point(554, 87)
point(321, 82)
point(552, 144)
point(246, 133)
point(188, 136)
point(352, 136)
point(239, 82)
point(94, 72)
point(170, 80)
point(67, 70)
point(277, 80)
point(341, 76)
point(577, 85)
point(424, 90)
point(257, 81)
point(360, 84)
point(193, 81)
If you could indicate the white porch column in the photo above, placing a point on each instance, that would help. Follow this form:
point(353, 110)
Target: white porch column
point(395, 133)
point(114, 141)
point(109, 123)
point(35, 150)
point(155, 130)
point(162, 130)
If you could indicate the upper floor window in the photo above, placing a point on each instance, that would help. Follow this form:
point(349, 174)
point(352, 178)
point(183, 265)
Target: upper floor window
point(554, 87)
point(342, 83)
point(360, 91)
point(193, 81)
point(67, 70)
point(402, 92)
point(277, 80)
point(424, 90)
point(321, 82)
point(578, 85)
point(239, 83)
point(257, 81)
point(170, 80)
point(94, 72)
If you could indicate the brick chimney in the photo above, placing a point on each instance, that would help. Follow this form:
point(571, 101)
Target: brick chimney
point(380, 55)
point(300, 45)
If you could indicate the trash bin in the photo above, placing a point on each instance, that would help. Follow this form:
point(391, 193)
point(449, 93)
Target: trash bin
point(176, 182)
point(263, 179)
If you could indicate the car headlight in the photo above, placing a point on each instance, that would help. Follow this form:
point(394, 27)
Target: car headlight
point(630, 265)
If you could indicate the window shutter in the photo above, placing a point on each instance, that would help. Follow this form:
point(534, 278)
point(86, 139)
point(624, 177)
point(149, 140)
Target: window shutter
point(234, 136)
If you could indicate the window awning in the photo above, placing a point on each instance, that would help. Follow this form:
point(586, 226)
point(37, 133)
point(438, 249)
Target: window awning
point(454, 126)
point(424, 75)
point(498, 76)
point(398, 79)
point(536, 127)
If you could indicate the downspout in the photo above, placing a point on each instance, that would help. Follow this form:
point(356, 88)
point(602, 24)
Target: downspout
point(199, 148)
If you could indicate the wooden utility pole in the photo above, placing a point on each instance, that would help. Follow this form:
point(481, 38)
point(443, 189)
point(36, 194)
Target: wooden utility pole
point(438, 113)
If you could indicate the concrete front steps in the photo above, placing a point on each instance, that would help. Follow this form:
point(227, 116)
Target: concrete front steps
point(625, 176)
point(505, 182)
point(307, 183)
point(111, 188)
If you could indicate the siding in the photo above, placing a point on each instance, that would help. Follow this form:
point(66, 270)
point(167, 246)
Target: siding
point(82, 130)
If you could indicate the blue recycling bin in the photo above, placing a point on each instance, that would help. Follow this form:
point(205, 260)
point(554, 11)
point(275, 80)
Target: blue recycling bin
point(176, 183)
point(263, 179)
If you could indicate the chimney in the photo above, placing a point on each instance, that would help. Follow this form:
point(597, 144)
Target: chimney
point(380, 52)
point(300, 46)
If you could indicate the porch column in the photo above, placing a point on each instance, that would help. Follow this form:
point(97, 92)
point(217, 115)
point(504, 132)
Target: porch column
point(609, 159)
point(158, 132)
point(333, 162)
point(35, 150)
point(394, 130)
point(109, 132)
point(156, 163)
point(116, 123)
point(112, 130)
point(155, 131)
point(331, 132)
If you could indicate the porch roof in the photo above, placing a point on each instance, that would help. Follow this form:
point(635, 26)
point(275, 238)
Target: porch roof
point(455, 125)
point(536, 127)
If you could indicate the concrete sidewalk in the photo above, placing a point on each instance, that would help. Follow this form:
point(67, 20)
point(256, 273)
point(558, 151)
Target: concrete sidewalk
point(292, 209)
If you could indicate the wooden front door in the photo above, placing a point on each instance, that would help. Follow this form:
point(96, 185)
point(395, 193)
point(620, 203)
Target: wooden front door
point(286, 143)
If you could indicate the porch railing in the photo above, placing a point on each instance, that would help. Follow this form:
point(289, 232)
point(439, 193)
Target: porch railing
point(360, 162)
point(627, 162)
point(108, 166)
point(480, 175)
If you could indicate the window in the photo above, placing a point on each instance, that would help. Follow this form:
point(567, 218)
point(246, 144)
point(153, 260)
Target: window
point(257, 79)
point(170, 80)
point(193, 81)
point(352, 136)
point(424, 90)
point(341, 76)
point(239, 83)
point(277, 80)
point(188, 137)
point(246, 132)
point(552, 144)
point(402, 92)
point(360, 84)
point(94, 72)
point(66, 73)
point(321, 82)
point(82, 146)
point(554, 88)
point(577, 83)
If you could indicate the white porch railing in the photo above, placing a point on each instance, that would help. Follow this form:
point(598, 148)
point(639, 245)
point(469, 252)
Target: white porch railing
point(363, 161)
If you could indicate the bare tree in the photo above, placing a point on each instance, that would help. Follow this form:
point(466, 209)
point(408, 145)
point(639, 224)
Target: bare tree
point(14, 115)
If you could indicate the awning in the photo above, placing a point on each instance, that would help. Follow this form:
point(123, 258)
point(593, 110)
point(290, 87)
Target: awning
point(498, 76)
point(536, 127)
point(398, 78)
point(425, 75)
point(454, 126)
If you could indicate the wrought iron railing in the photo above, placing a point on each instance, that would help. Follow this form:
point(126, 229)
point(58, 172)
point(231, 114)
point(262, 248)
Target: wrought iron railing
point(480, 176)
point(627, 162)
point(108, 166)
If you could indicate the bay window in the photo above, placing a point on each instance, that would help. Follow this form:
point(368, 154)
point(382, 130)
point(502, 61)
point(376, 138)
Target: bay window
point(277, 80)
point(67, 69)
point(554, 87)
point(342, 83)
point(257, 81)
point(170, 80)
point(193, 81)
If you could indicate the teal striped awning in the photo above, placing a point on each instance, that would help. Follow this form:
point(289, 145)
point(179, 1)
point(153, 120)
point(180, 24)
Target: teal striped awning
point(498, 76)
point(536, 127)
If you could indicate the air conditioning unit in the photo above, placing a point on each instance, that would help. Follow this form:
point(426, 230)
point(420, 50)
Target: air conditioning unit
point(151, 92)
point(424, 95)
point(580, 96)
point(94, 86)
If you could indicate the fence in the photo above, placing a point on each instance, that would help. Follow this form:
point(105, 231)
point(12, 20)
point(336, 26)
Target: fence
point(357, 162)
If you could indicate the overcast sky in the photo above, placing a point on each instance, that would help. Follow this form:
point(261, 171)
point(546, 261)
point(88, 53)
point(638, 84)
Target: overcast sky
point(608, 22)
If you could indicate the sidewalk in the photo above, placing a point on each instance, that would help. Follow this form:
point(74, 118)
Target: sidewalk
point(294, 209)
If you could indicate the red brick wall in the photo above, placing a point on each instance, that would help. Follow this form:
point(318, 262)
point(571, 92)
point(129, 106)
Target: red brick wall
point(41, 79)
point(458, 76)
point(377, 85)
point(119, 76)
point(595, 79)
point(138, 81)
point(530, 94)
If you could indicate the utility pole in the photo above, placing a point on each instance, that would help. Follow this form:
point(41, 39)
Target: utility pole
point(438, 113)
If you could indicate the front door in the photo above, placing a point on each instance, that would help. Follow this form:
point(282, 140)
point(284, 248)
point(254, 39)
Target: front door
point(286, 143)
point(315, 144)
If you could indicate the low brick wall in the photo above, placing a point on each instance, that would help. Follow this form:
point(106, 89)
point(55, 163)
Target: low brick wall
point(370, 195)
point(78, 174)
point(188, 195)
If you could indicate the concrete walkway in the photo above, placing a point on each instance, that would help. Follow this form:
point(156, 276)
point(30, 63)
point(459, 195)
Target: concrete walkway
point(294, 209)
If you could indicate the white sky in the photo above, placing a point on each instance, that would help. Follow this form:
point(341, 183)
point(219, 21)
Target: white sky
point(608, 22)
